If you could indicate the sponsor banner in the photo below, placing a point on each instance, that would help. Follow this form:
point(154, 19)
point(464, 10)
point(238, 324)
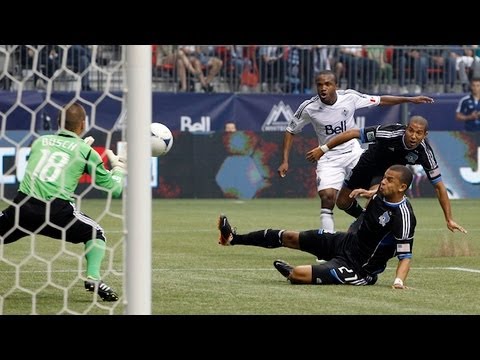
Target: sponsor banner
point(458, 156)
point(194, 112)
point(244, 165)
point(32, 111)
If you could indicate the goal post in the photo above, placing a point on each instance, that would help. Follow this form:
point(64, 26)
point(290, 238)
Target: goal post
point(138, 252)
point(113, 83)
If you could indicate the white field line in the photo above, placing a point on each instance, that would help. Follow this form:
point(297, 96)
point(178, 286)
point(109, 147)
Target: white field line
point(257, 269)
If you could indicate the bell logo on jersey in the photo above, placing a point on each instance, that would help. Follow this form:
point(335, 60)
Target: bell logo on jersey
point(330, 130)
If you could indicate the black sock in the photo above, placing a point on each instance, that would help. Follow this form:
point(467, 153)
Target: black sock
point(354, 210)
point(264, 238)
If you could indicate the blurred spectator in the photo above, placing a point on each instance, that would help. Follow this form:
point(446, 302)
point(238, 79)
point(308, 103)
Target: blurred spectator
point(468, 67)
point(300, 69)
point(351, 56)
point(422, 63)
point(468, 109)
point(79, 58)
point(238, 59)
point(230, 126)
point(5, 82)
point(272, 67)
point(203, 57)
point(43, 60)
point(410, 61)
point(239, 66)
point(322, 56)
point(385, 75)
point(444, 60)
point(172, 58)
point(250, 77)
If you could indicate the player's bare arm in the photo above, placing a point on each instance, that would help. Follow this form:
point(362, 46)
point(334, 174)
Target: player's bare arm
point(444, 201)
point(395, 100)
point(316, 153)
point(367, 194)
point(287, 145)
point(403, 268)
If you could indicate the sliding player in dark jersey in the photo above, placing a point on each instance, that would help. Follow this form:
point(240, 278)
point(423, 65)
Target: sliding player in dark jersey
point(385, 230)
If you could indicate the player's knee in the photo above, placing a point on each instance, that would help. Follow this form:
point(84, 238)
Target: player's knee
point(290, 239)
point(328, 200)
point(301, 275)
point(343, 202)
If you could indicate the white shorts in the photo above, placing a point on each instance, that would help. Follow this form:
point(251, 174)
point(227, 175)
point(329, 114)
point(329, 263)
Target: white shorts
point(336, 165)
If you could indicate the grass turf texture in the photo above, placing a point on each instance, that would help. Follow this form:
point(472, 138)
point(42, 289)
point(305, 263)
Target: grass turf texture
point(192, 274)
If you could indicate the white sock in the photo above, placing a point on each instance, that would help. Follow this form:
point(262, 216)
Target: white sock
point(326, 220)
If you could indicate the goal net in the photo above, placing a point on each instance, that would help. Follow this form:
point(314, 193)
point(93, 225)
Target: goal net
point(42, 275)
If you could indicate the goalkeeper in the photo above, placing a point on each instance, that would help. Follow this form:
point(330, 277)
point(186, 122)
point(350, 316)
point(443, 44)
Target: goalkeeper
point(44, 203)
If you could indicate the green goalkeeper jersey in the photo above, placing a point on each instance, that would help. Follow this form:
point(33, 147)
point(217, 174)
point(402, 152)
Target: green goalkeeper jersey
point(56, 164)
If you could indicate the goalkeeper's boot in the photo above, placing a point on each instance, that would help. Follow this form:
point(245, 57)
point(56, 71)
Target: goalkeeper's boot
point(284, 268)
point(102, 289)
point(226, 232)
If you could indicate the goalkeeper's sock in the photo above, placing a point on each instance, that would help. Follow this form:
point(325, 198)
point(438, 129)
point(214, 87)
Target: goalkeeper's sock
point(264, 238)
point(94, 253)
point(354, 209)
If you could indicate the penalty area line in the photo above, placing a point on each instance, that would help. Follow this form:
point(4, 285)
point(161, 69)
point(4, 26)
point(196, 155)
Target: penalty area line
point(463, 269)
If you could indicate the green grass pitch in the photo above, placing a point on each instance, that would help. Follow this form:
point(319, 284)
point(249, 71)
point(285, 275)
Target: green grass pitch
point(192, 274)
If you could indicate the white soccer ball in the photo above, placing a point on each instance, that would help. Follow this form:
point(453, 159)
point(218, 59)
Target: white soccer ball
point(162, 139)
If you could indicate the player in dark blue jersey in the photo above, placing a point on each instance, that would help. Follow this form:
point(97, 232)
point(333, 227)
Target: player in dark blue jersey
point(385, 230)
point(468, 108)
point(390, 144)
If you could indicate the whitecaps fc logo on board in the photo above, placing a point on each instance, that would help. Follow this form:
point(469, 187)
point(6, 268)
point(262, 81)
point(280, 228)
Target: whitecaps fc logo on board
point(278, 118)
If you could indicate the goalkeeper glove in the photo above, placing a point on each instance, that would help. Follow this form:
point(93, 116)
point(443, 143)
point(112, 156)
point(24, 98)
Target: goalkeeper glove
point(118, 163)
point(89, 140)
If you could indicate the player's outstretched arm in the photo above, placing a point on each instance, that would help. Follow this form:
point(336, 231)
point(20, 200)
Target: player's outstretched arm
point(316, 153)
point(395, 100)
point(367, 194)
point(444, 201)
point(452, 226)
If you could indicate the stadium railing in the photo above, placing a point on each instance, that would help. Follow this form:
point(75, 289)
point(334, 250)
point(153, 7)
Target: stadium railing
point(413, 69)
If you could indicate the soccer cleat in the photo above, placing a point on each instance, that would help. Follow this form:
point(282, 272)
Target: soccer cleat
point(102, 289)
point(371, 279)
point(284, 268)
point(226, 233)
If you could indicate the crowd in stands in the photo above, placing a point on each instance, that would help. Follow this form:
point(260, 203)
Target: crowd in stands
point(292, 68)
point(43, 64)
point(288, 69)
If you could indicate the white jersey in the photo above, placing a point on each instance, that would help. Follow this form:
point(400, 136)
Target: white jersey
point(330, 120)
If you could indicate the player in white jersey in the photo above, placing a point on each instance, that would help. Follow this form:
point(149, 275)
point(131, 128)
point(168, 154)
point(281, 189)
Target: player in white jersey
point(332, 112)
